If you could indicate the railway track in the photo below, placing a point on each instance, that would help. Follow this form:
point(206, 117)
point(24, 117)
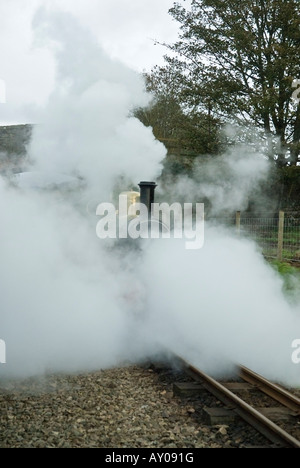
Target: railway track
point(256, 417)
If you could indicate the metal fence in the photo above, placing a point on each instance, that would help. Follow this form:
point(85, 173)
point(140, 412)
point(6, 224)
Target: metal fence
point(278, 237)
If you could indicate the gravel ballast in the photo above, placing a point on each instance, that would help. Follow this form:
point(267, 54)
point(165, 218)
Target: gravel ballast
point(128, 407)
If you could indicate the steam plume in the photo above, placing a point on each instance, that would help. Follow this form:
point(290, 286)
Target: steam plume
point(70, 302)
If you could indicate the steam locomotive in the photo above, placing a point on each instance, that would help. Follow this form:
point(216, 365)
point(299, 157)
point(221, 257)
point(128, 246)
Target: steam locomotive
point(138, 217)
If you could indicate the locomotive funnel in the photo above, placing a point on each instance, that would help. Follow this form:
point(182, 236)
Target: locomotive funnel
point(147, 194)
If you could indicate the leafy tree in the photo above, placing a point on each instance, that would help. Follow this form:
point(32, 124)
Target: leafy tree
point(186, 135)
point(193, 133)
point(236, 60)
point(289, 183)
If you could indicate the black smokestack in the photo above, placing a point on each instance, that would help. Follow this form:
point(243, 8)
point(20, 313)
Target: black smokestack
point(147, 194)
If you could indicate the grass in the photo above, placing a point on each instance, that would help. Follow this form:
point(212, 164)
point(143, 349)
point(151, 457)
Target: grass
point(268, 240)
point(288, 255)
point(291, 279)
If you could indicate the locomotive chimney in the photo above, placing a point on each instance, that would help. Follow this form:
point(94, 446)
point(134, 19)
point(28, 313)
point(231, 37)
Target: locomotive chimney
point(147, 194)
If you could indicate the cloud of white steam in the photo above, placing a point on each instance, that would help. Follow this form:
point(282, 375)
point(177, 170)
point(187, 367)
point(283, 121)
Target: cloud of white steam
point(85, 129)
point(226, 181)
point(64, 299)
point(69, 301)
point(59, 305)
point(221, 305)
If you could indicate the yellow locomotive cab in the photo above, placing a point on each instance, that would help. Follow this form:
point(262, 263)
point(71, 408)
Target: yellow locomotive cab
point(132, 198)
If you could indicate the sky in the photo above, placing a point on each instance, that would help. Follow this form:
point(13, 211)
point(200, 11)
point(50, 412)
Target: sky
point(125, 29)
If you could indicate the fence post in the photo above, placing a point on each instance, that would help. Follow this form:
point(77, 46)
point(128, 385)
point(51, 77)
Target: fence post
point(238, 222)
point(280, 236)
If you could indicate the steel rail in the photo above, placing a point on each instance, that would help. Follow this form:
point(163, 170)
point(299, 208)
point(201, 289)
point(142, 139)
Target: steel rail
point(260, 422)
point(271, 389)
